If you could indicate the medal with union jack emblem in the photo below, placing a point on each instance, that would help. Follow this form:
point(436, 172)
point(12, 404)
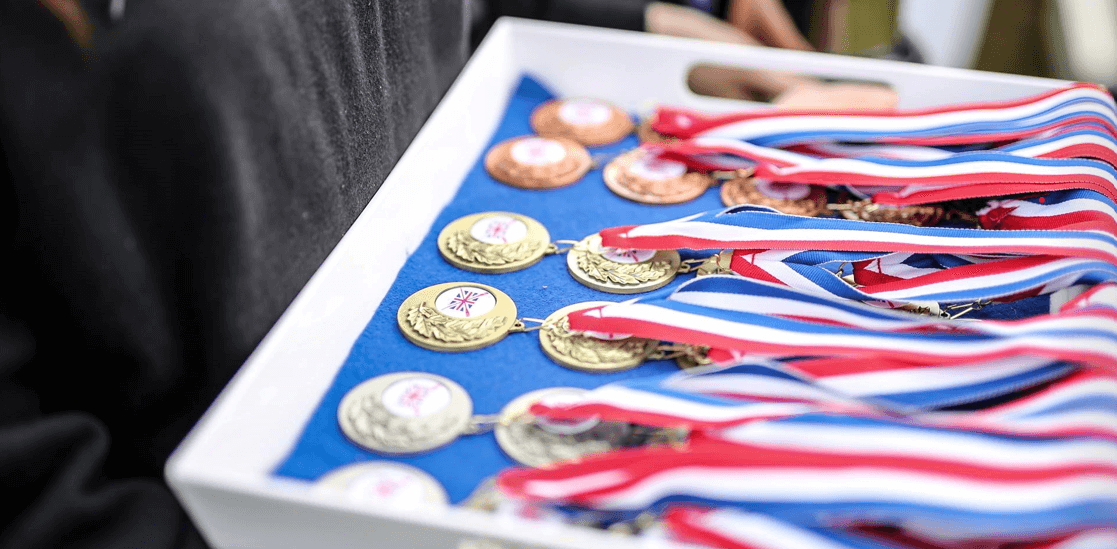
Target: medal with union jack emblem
point(494, 242)
point(588, 121)
point(620, 271)
point(405, 413)
point(533, 162)
point(456, 316)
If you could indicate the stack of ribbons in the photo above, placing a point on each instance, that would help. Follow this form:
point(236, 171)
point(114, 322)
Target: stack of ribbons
point(833, 419)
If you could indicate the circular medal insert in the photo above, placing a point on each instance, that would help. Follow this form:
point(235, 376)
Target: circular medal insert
point(638, 176)
point(384, 483)
point(493, 242)
point(591, 351)
point(587, 121)
point(620, 271)
point(536, 442)
point(789, 198)
point(404, 413)
point(456, 316)
point(531, 162)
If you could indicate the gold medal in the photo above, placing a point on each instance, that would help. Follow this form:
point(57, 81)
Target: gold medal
point(591, 352)
point(384, 483)
point(537, 442)
point(587, 121)
point(456, 316)
point(640, 177)
point(531, 162)
point(789, 198)
point(494, 242)
point(620, 271)
point(405, 413)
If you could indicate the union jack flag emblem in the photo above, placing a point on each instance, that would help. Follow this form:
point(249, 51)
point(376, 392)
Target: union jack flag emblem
point(464, 301)
point(629, 254)
point(499, 230)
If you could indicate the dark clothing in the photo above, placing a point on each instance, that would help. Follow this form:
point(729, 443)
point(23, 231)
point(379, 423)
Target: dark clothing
point(163, 200)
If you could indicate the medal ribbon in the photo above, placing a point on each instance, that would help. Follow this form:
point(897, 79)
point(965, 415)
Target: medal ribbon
point(902, 181)
point(1017, 489)
point(1062, 210)
point(729, 312)
point(760, 228)
point(896, 280)
point(988, 122)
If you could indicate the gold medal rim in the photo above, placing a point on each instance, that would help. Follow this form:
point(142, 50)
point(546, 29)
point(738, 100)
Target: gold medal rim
point(616, 170)
point(511, 412)
point(545, 120)
point(567, 362)
point(535, 231)
point(339, 478)
point(814, 204)
point(580, 157)
point(670, 256)
point(504, 307)
point(459, 400)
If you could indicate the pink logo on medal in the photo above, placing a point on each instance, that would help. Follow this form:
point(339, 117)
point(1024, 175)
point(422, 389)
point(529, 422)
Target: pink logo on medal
point(656, 169)
point(465, 302)
point(626, 255)
point(538, 151)
point(415, 397)
point(498, 229)
point(784, 191)
point(580, 112)
point(399, 488)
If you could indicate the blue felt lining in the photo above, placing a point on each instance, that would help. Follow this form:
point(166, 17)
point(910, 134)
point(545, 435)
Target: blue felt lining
point(497, 374)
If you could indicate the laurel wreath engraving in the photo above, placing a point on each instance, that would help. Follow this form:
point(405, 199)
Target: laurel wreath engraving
point(626, 274)
point(591, 350)
point(472, 250)
point(377, 427)
point(433, 324)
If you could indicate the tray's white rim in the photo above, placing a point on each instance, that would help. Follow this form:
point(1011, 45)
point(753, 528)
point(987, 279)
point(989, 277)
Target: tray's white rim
point(221, 471)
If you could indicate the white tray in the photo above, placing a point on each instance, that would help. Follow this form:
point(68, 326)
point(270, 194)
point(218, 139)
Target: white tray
point(222, 471)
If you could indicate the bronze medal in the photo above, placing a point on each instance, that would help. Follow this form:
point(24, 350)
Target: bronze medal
point(587, 121)
point(638, 176)
point(647, 134)
point(789, 198)
point(531, 162)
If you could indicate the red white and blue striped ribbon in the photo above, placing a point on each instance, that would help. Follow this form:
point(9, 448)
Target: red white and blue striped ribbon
point(895, 280)
point(1075, 142)
point(1046, 488)
point(737, 529)
point(1063, 210)
point(717, 397)
point(728, 312)
point(958, 176)
point(956, 124)
point(760, 228)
